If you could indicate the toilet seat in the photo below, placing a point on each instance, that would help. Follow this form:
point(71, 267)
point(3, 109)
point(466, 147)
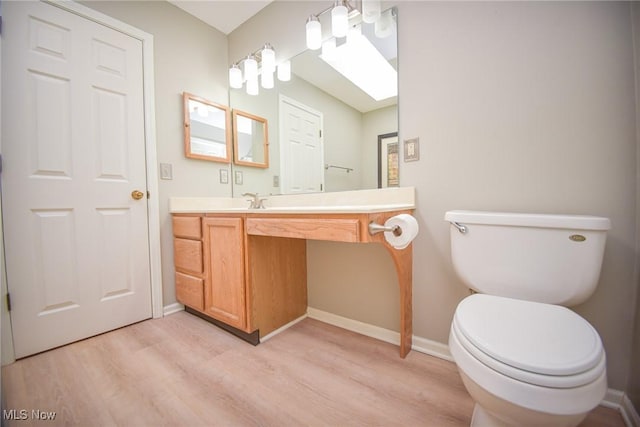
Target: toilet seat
point(540, 344)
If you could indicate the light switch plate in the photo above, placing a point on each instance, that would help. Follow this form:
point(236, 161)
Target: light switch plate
point(411, 149)
point(166, 171)
point(224, 176)
point(238, 178)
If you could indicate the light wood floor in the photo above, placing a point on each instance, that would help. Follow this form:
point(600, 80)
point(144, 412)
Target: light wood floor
point(182, 371)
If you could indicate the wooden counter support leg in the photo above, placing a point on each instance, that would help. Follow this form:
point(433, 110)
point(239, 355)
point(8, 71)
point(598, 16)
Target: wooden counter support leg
point(403, 260)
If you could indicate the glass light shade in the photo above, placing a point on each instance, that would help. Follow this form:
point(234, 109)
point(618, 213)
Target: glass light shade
point(284, 71)
point(235, 77)
point(339, 21)
point(266, 78)
point(268, 58)
point(329, 52)
point(314, 33)
point(371, 10)
point(384, 25)
point(252, 86)
point(250, 68)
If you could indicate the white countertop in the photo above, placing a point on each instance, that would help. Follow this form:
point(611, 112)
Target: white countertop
point(360, 201)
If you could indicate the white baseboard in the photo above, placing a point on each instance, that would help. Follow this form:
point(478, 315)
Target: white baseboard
point(614, 399)
point(282, 328)
point(172, 308)
point(629, 412)
point(618, 400)
point(420, 344)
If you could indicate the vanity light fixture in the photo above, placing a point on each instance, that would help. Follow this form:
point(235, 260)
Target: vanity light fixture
point(314, 33)
point(250, 68)
point(252, 86)
point(341, 12)
point(266, 79)
point(235, 77)
point(284, 71)
point(268, 56)
point(261, 65)
point(339, 19)
point(383, 26)
point(371, 10)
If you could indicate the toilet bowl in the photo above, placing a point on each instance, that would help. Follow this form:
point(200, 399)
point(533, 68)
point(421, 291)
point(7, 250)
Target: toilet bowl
point(520, 370)
point(525, 358)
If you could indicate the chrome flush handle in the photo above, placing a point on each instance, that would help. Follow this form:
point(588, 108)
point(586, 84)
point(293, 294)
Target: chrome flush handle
point(461, 227)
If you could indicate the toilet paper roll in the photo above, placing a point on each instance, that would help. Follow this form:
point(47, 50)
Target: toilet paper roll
point(408, 230)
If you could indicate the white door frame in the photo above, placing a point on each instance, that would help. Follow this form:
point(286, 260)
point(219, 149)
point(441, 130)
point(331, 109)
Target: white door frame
point(153, 203)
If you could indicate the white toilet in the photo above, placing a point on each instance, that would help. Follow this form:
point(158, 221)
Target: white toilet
point(526, 359)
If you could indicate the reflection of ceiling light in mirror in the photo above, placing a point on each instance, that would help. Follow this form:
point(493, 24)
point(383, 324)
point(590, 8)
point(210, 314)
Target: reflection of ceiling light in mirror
point(360, 62)
point(370, 11)
point(252, 86)
point(235, 77)
point(314, 33)
point(266, 78)
point(384, 25)
point(339, 19)
point(284, 71)
point(250, 68)
point(268, 56)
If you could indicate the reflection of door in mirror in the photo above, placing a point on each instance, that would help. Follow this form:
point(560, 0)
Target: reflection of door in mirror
point(301, 151)
point(250, 140)
point(207, 129)
point(388, 165)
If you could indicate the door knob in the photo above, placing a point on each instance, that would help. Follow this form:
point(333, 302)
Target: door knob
point(137, 195)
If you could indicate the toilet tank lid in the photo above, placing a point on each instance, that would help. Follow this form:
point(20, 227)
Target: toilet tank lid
point(572, 222)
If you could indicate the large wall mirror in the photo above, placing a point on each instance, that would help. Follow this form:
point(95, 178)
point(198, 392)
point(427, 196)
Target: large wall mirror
point(333, 110)
point(207, 129)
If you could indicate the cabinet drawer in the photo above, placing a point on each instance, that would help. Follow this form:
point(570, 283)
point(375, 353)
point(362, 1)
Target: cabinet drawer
point(337, 230)
point(187, 255)
point(187, 226)
point(190, 291)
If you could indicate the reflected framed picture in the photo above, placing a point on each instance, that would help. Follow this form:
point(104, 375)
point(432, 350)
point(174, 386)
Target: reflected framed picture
point(388, 160)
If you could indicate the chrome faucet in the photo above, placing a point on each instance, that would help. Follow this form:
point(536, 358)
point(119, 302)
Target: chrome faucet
point(256, 202)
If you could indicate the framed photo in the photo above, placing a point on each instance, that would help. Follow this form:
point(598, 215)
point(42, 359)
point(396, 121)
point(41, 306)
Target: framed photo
point(388, 160)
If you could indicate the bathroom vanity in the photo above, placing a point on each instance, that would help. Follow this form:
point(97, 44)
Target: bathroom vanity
point(245, 269)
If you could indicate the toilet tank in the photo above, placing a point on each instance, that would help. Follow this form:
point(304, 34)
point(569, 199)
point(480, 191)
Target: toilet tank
point(554, 259)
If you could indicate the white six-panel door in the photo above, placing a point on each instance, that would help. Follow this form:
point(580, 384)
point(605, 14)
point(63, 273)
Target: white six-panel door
point(301, 150)
point(76, 241)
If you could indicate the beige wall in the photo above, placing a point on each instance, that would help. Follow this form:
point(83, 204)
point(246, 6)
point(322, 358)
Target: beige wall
point(374, 123)
point(190, 56)
point(522, 107)
point(519, 107)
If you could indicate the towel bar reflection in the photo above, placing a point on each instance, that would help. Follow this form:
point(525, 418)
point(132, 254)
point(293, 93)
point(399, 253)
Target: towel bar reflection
point(327, 166)
point(377, 228)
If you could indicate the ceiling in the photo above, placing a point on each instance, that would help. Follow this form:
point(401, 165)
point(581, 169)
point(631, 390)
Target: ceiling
point(224, 15)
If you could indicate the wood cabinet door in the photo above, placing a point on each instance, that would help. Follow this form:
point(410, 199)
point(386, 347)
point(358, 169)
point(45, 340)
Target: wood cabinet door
point(225, 291)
